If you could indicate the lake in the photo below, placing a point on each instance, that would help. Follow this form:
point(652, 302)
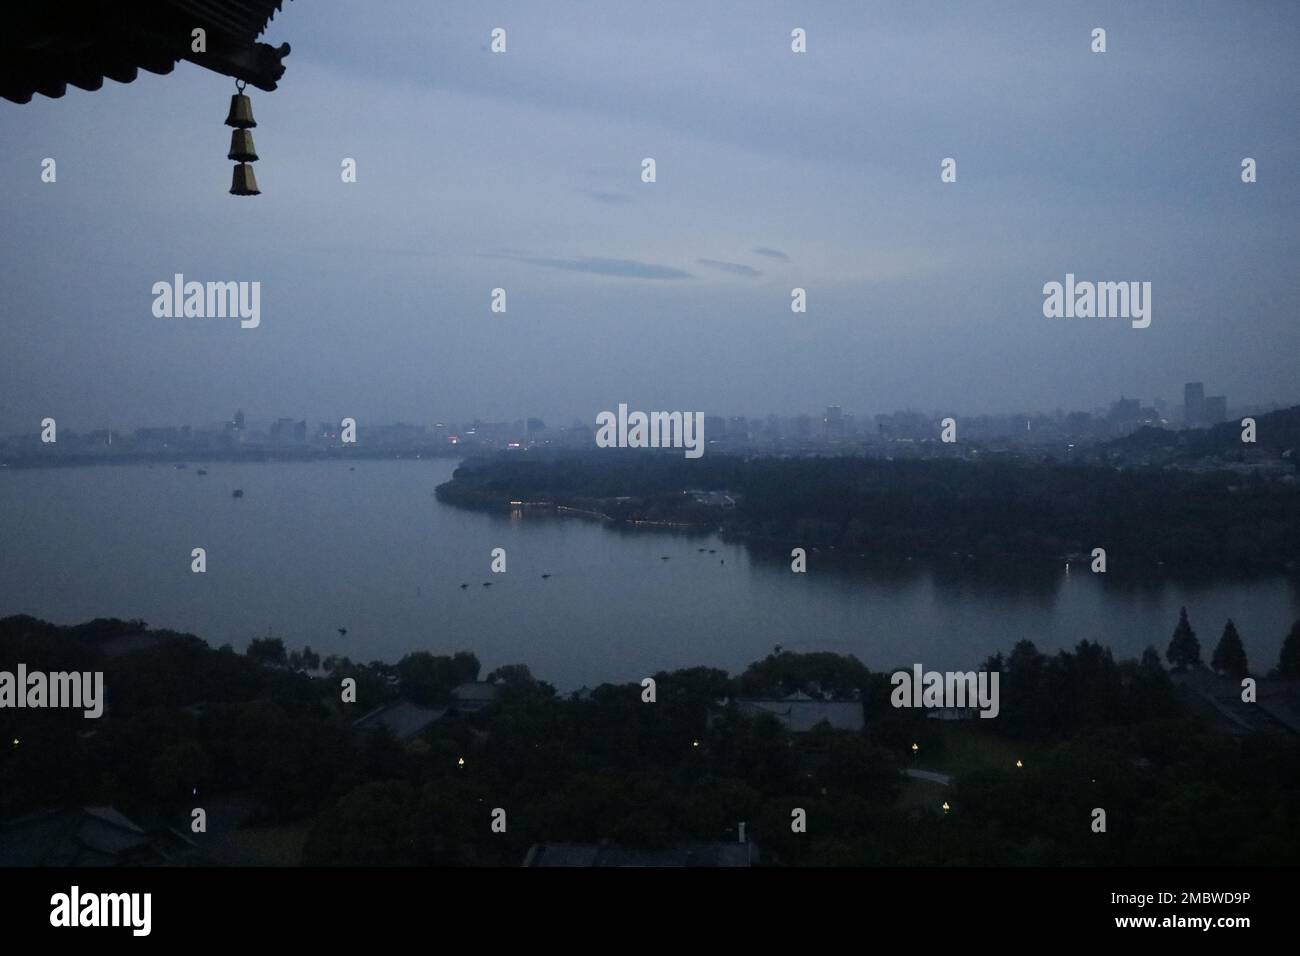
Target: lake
point(314, 547)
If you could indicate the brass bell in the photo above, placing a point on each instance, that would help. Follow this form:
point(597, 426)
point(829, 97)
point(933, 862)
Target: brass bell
point(241, 147)
point(244, 182)
point(241, 112)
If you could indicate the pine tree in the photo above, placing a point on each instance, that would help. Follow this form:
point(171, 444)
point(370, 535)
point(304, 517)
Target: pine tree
point(1230, 656)
point(1184, 649)
point(1288, 664)
point(1150, 662)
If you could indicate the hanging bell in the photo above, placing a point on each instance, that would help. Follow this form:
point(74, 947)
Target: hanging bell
point(244, 182)
point(241, 147)
point(241, 112)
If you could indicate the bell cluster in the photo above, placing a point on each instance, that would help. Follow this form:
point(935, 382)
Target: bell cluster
point(242, 151)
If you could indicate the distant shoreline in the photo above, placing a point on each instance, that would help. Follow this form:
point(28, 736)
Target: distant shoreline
point(987, 516)
point(315, 455)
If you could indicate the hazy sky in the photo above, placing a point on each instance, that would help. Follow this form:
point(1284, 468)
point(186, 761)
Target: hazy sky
point(522, 170)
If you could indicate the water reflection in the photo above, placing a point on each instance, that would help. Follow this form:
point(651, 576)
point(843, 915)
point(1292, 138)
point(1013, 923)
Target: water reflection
point(312, 544)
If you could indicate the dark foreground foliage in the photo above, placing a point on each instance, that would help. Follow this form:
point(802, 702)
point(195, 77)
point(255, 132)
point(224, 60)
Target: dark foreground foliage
point(607, 765)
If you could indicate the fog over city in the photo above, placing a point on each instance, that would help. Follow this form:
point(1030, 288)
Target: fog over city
point(523, 172)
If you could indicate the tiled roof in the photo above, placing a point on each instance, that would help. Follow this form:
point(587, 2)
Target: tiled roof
point(89, 836)
point(475, 690)
point(44, 47)
point(404, 718)
point(801, 713)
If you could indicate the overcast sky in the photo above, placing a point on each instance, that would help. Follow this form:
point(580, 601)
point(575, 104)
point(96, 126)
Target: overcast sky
point(522, 170)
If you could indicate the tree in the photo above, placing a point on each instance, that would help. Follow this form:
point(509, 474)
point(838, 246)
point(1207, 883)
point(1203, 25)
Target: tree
point(513, 676)
point(372, 825)
point(267, 650)
point(178, 769)
point(1150, 663)
point(1230, 656)
point(1028, 704)
point(818, 672)
point(428, 679)
point(1184, 649)
point(1288, 663)
point(517, 681)
point(306, 659)
point(425, 679)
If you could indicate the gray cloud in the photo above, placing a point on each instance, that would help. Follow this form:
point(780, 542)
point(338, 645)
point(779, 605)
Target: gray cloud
point(605, 196)
point(506, 162)
point(734, 268)
point(618, 268)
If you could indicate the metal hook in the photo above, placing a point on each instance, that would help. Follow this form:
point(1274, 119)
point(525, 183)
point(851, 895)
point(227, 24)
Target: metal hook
point(239, 85)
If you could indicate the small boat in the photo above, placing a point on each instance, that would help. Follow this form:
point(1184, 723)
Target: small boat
point(237, 493)
point(545, 576)
point(463, 586)
point(203, 471)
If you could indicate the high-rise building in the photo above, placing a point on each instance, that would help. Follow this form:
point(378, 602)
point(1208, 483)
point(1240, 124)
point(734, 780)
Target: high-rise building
point(834, 422)
point(286, 431)
point(1125, 410)
point(1193, 403)
point(1216, 409)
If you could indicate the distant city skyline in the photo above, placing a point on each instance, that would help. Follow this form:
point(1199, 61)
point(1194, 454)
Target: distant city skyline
point(1226, 404)
point(1119, 416)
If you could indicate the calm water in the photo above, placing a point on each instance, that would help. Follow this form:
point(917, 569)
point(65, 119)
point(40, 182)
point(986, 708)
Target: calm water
point(314, 547)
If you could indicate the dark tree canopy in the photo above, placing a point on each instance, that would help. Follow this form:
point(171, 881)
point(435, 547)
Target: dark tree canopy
point(1184, 649)
point(1230, 655)
point(1288, 663)
point(428, 679)
point(608, 765)
point(267, 650)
